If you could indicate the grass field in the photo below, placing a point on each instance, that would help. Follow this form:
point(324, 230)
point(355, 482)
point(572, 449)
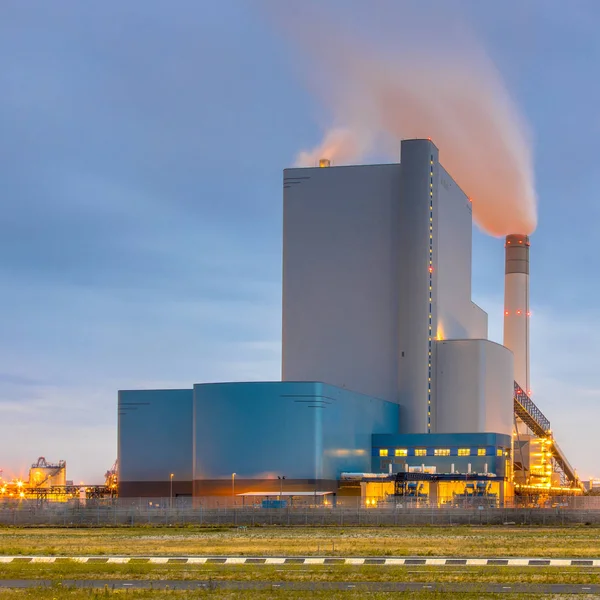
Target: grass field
point(346, 573)
point(61, 594)
point(464, 541)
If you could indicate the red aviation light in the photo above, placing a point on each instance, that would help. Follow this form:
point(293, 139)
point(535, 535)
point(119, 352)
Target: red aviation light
point(506, 312)
point(431, 269)
point(518, 312)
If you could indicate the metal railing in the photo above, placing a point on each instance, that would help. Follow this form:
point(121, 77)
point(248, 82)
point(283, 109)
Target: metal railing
point(529, 413)
point(533, 417)
point(564, 464)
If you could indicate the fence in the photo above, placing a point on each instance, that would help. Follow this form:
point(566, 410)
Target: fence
point(216, 512)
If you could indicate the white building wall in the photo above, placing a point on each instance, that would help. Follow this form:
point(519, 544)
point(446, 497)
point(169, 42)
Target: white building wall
point(418, 247)
point(458, 317)
point(377, 266)
point(340, 284)
point(479, 323)
point(474, 387)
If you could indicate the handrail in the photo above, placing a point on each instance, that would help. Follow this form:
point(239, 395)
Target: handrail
point(564, 464)
point(535, 419)
point(523, 403)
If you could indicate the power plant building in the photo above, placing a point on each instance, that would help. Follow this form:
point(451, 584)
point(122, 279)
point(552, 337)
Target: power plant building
point(377, 271)
point(387, 372)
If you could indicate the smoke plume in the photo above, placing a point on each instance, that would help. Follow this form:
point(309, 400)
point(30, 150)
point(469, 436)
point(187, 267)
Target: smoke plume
point(410, 75)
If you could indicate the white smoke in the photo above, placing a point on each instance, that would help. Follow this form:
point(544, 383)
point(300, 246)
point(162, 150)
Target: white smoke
point(338, 145)
point(416, 78)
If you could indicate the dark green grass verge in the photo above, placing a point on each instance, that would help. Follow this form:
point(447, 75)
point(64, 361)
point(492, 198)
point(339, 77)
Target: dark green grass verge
point(58, 593)
point(71, 570)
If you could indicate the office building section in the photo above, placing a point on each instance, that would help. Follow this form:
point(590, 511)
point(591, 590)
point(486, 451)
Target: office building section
point(390, 387)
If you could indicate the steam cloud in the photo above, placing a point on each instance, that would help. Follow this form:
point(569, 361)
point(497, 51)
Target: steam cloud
point(419, 78)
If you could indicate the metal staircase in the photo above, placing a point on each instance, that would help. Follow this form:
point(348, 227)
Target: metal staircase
point(526, 410)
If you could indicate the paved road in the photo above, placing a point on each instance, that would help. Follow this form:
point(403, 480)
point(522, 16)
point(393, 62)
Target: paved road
point(371, 586)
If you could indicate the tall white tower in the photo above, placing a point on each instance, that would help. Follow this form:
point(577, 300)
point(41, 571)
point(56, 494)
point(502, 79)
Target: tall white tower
point(516, 305)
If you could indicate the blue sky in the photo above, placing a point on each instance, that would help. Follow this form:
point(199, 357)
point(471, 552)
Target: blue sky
point(142, 145)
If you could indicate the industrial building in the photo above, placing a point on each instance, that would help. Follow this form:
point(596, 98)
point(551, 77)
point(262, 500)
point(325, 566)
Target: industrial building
point(389, 384)
point(48, 481)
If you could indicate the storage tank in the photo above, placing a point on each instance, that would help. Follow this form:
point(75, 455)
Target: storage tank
point(44, 474)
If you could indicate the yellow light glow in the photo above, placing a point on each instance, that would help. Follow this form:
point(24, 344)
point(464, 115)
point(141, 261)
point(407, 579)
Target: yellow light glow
point(440, 332)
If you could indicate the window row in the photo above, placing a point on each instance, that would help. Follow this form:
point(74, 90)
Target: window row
point(442, 452)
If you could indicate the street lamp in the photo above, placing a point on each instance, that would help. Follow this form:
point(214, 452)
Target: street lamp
point(233, 486)
point(281, 478)
point(171, 491)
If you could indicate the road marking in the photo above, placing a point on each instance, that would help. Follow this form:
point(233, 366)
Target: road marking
point(418, 562)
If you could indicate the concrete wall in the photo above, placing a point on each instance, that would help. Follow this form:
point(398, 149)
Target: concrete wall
point(474, 387)
point(340, 296)
point(155, 440)
point(456, 314)
point(306, 431)
point(479, 323)
point(418, 276)
point(376, 266)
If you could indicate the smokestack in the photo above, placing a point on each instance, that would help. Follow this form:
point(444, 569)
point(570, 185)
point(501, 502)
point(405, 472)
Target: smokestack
point(516, 305)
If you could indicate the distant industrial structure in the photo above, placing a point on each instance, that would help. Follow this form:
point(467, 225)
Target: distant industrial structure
point(390, 388)
point(48, 481)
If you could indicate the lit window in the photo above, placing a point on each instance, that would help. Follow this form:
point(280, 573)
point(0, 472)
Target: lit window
point(420, 451)
point(383, 452)
point(480, 451)
point(499, 452)
point(401, 452)
point(442, 452)
point(464, 451)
